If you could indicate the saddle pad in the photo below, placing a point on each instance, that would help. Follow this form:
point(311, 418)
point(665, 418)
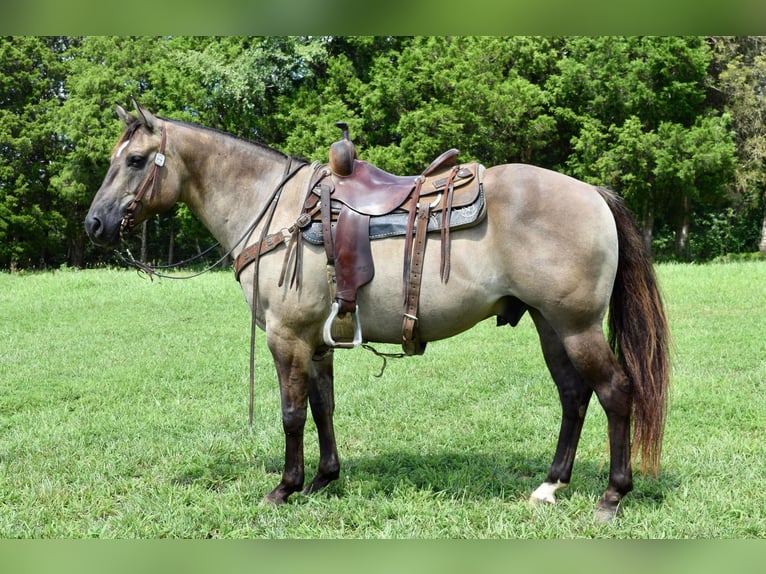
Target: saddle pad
point(395, 224)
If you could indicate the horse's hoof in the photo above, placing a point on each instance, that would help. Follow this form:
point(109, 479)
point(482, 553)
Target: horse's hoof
point(269, 501)
point(320, 482)
point(546, 493)
point(605, 514)
point(275, 498)
point(534, 500)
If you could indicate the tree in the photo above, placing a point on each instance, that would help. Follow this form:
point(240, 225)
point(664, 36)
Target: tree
point(659, 119)
point(639, 122)
point(413, 98)
point(740, 78)
point(31, 225)
point(225, 83)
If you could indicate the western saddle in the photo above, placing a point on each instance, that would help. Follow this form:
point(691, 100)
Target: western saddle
point(351, 202)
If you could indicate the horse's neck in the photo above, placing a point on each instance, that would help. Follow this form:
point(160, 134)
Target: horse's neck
point(229, 180)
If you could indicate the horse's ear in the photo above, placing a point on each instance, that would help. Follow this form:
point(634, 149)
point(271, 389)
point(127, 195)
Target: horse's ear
point(126, 117)
point(145, 116)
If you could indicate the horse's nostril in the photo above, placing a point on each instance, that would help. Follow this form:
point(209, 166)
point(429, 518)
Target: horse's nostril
point(93, 226)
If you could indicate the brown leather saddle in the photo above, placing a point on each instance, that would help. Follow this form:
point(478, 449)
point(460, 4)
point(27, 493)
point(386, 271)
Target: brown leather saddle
point(350, 202)
point(348, 194)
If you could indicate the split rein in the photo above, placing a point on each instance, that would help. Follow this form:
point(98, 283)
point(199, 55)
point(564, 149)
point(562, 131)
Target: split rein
point(267, 210)
point(152, 181)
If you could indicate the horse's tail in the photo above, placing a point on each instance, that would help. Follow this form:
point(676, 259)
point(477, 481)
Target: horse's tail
point(639, 336)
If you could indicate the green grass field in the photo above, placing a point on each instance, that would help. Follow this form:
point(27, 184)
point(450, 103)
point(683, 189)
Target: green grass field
point(123, 414)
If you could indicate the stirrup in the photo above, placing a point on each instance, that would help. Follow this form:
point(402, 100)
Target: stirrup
point(327, 330)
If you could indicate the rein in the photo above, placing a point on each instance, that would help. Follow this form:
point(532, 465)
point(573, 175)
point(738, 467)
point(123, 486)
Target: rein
point(271, 206)
point(152, 180)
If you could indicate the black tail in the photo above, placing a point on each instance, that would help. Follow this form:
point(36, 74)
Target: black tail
point(639, 335)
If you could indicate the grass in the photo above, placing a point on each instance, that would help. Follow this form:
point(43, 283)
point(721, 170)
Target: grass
point(123, 414)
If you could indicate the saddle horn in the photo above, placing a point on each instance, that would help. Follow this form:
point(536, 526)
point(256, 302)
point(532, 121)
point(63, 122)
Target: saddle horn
point(342, 153)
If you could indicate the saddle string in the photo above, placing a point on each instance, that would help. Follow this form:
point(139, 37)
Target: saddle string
point(384, 356)
point(449, 192)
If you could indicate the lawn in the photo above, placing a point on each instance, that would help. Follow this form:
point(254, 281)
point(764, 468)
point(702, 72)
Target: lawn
point(123, 414)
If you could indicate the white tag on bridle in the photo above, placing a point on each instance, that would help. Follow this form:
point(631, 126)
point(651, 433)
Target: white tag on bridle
point(159, 159)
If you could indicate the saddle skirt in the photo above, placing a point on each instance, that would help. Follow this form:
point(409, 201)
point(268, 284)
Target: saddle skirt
point(388, 200)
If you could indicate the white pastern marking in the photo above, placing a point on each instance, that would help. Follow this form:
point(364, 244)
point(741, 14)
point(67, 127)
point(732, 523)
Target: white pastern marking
point(546, 492)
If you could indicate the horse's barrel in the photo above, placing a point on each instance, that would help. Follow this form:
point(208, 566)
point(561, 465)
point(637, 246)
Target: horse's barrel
point(342, 153)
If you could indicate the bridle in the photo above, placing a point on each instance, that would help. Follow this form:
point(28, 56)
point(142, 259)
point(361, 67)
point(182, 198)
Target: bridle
point(151, 180)
point(267, 211)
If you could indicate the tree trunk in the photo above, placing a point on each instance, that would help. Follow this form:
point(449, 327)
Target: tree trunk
point(171, 240)
point(647, 227)
point(762, 244)
point(76, 251)
point(144, 241)
point(682, 231)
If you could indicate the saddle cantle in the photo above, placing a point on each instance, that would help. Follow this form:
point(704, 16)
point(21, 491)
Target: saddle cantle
point(351, 202)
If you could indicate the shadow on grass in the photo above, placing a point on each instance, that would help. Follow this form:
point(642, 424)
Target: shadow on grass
point(482, 477)
point(458, 475)
point(476, 476)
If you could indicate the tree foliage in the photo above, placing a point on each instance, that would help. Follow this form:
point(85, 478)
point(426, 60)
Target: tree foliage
point(673, 124)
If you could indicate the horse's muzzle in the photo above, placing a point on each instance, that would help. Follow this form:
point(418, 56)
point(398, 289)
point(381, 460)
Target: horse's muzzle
point(102, 230)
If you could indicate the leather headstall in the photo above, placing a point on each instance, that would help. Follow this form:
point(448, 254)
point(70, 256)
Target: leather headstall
point(151, 180)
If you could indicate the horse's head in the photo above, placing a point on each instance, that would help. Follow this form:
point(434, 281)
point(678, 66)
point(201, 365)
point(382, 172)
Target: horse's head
point(139, 183)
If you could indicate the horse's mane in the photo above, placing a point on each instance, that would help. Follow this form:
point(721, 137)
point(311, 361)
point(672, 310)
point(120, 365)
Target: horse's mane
point(135, 125)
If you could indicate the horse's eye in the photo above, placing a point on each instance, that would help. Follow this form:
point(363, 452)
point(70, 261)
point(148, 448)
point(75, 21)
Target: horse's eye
point(136, 161)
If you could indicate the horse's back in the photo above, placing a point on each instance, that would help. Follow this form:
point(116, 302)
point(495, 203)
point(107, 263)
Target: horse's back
point(548, 240)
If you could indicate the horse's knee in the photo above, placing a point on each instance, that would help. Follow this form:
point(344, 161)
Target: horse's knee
point(293, 420)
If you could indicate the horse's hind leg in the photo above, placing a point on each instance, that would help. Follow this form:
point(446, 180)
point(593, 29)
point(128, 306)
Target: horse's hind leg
point(322, 401)
point(575, 395)
point(595, 361)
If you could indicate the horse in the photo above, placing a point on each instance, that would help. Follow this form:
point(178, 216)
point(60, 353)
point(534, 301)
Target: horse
point(568, 253)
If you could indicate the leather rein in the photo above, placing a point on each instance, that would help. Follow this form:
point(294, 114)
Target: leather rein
point(151, 181)
point(267, 210)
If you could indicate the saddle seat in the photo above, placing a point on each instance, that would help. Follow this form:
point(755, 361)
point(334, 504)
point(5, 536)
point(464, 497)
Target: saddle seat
point(371, 191)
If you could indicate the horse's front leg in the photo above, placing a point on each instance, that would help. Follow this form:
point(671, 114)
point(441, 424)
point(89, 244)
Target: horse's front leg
point(322, 401)
point(292, 359)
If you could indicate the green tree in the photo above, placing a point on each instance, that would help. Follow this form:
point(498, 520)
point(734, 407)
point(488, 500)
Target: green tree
point(32, 226)
point(238, 79)
point(640, 123)
point(225, 83)
point(739, 72)
point(102, 71)
point(413, 98)
point(655, 118)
